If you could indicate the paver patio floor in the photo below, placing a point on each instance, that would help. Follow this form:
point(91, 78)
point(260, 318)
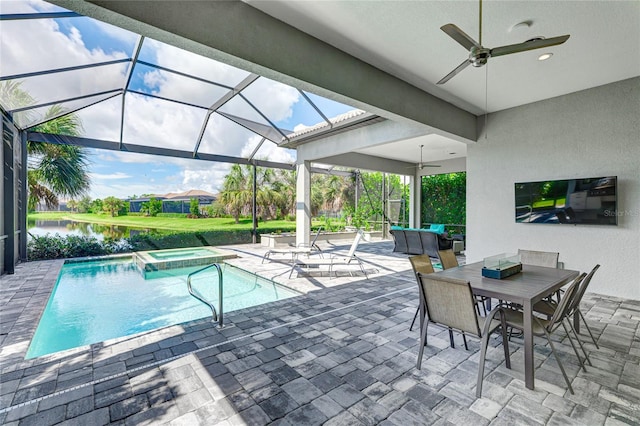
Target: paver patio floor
point(341, 354)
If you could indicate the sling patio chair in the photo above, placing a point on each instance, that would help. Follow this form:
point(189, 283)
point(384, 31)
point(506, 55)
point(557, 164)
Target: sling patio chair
point(421, 265)
point(449, 260)
point(545, 327)
point(333, 260)
point(450, 303)
point(296, 251)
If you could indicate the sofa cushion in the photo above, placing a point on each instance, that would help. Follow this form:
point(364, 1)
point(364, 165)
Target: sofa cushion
point(437, 228)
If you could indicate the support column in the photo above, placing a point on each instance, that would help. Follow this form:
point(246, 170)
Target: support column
point(303, 203)
point(9, 198)
point(415, 201)
point(254, 210)
point(24, 208)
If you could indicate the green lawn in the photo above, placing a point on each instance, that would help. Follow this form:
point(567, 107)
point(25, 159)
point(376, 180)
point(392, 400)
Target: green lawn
point(168, 223)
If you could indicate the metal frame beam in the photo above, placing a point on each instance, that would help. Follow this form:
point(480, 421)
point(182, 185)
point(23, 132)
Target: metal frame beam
point(151, 150)
point(64, 69)
point(220, 103)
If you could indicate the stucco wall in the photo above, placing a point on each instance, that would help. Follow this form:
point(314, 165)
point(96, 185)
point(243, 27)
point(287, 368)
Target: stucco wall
point(595, 132)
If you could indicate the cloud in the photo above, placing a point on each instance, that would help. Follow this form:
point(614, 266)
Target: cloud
point(112, 176)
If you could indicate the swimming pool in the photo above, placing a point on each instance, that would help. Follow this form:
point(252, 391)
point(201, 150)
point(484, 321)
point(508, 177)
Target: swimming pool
point(105, 299)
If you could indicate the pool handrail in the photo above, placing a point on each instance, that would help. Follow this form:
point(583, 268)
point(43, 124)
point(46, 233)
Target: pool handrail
point(217, 315)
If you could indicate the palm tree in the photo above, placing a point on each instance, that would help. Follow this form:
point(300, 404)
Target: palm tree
point(237, 191)
point(57, 170)
point(53, 170)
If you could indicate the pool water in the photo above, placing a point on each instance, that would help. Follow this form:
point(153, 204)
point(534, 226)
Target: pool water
point(100, 300)
point(181, 254)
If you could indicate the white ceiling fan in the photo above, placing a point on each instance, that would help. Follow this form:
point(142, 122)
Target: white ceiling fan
point(422, 165)
point(479, 55)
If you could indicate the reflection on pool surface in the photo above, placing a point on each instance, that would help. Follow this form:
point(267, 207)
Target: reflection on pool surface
point(105, 299)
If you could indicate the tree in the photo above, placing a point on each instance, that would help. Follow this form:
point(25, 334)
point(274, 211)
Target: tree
point(84, 205)
point(237, 192)
point(151, 207)
point(112, 205)
point(72, 205)
point(444, 198)
point(53, 170)
point(194, 207)
point(96, 206)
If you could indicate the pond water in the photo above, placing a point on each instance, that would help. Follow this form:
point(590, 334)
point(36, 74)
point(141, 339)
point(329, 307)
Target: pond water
point(98, 230)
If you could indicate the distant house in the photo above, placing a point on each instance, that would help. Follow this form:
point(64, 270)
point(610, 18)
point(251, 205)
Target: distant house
point(174, 202)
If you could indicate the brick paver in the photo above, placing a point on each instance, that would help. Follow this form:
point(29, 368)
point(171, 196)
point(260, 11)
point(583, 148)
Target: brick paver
point(340, 354)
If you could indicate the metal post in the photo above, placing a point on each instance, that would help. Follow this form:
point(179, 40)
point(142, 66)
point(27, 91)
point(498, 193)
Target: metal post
point(22, 212)
point(255, 205)
point(9, 197)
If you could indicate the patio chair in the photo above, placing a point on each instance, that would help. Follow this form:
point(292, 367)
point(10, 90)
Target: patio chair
point(333, 260)
point(295, 252)
point(539, 258)
point(450, 303)
point(448, 260)
point(545, 327)
point(421, 264)
point(547, 307)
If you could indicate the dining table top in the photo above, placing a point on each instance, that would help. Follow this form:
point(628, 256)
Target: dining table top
point(532, 284)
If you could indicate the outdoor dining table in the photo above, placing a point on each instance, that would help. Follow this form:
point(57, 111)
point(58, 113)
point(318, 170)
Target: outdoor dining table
point(524, 288)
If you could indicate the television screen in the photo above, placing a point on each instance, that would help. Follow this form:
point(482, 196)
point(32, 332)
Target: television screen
point(572, 201)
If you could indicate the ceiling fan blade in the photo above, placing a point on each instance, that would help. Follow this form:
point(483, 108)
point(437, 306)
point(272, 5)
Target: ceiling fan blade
point(454, 72)
point(460, 36)
point(430, 165)
point(528, 45)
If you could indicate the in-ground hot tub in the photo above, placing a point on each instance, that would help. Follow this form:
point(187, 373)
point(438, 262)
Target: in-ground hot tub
point(160, 260)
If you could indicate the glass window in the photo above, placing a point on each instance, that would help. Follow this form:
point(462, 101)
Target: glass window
point(224, 137)
point(63, 86)
point(329, 108)
point(282, 104)
point(173, 86)
point(31, 117)
point(270, 151)
point(35, 45)
point(9, 7)
point(245, 115)
point(167, 56)
point(155, 122)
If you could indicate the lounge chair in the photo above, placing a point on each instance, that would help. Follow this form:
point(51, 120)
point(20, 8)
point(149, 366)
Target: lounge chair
point(296, 251)
point(333, 260)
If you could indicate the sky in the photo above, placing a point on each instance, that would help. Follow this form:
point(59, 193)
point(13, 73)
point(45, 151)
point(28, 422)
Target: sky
point(41, 44)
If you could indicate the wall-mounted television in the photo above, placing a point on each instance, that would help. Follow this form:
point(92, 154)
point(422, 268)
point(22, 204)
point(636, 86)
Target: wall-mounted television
point(587, 201)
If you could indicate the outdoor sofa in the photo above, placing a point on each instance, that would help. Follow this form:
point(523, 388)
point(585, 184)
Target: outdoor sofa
point(421, 241)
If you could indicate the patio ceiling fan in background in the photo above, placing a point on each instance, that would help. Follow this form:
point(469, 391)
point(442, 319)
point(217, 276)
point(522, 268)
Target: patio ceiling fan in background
point(421, 165)
point(479, 55)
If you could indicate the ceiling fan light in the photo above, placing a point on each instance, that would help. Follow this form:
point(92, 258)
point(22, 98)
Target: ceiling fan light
point(545, 56)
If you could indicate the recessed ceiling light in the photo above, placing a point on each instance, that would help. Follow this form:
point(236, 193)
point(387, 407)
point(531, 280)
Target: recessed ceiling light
point(545, 56)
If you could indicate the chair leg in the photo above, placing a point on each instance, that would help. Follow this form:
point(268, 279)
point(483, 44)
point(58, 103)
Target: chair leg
point(423, 342)
point(553, 349)
point(483, 355)
point(451, 342)
point(588, 329)
point(464, 339)
point(586, 355)
point(566, 330)
point(505, 345)
point(414, 318)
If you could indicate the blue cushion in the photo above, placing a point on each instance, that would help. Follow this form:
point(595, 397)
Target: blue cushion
point(437, 228)
point(396, 228)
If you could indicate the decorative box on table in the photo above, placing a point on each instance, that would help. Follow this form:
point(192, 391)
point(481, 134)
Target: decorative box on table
point(501, 266)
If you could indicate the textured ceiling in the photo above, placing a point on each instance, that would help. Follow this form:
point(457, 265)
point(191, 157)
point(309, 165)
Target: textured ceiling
point(404, 39)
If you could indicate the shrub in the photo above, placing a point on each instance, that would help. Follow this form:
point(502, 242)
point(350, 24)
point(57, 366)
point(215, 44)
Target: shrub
point(59, 247)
